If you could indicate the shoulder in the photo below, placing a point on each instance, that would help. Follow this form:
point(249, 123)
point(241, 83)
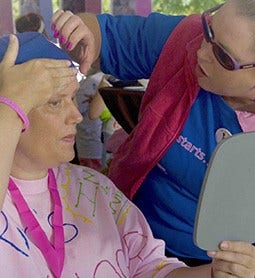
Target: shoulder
point(152, 22)
point(83, 189)
point(77, 172)
point(76, 177)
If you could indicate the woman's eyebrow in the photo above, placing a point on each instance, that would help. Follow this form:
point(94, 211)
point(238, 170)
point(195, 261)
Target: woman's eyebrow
point(59, 95)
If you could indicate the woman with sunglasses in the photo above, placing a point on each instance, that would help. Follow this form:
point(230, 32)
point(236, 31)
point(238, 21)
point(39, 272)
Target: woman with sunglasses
point(201, 89)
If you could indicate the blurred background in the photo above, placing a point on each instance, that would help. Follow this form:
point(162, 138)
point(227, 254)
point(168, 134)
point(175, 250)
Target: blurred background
point(164, 6)
point(12, 9)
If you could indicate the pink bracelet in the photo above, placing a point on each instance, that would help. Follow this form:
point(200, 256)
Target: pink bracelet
point(18, 110)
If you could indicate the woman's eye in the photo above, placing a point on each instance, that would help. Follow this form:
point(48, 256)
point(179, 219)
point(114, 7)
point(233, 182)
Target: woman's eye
point(55, 103)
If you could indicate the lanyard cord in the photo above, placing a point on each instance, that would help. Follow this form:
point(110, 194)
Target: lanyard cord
point(53, 253)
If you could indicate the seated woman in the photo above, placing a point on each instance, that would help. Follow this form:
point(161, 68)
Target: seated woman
point(59, 219)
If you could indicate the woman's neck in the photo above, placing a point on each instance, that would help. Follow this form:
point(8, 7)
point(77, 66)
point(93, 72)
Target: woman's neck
point(26, 168)
point(28, 174)
point(240, 104)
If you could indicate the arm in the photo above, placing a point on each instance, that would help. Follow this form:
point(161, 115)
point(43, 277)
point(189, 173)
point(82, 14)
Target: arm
point(131, 45)
point(97, 104)
point(25, 85)
point(198, 272)
point(128, 46)
point(96, 107)
point(10, 126)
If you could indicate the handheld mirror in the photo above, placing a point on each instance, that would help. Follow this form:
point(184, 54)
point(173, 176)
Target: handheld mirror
point(226, 207)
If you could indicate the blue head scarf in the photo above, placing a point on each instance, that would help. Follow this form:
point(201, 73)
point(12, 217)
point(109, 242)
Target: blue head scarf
point(33, 45)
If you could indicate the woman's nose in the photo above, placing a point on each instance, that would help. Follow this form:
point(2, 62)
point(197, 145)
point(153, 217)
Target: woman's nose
point(75, 117)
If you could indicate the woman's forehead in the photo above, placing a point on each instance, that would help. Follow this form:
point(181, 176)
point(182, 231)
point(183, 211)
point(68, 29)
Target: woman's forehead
point(234, 31)
point(69, 91)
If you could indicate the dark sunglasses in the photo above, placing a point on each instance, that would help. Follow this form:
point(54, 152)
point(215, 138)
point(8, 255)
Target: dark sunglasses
point(222, 55)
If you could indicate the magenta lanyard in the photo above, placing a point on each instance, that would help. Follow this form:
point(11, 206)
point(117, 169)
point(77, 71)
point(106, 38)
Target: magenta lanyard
point(53, 254)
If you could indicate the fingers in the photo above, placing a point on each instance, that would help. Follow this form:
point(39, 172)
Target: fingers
point(60, 83)
point(75, 37)
point(220, 274)
point(62, 71)
point(54, 63)
point(55, 68)
point(66, 25)
point(55, 16)
point(48, 67)
point(221, 268)
point(240, 247)
point(11, 52)
point(234, 258)
point(61, 76)
point(77, 33)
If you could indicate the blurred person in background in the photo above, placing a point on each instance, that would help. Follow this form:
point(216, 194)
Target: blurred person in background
point(31, 22)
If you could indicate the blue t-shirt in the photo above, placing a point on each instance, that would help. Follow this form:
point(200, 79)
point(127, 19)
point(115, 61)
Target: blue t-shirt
point(168, 197)
point(131, 45)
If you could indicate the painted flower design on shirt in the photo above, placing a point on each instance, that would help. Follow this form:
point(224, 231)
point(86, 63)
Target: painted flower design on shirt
point(134, 244)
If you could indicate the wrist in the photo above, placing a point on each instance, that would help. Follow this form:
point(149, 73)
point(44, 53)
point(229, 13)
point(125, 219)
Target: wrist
point(15, 107)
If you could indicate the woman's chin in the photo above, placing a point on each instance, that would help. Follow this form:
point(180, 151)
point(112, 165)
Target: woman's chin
point(67, 157)
point(204, 84)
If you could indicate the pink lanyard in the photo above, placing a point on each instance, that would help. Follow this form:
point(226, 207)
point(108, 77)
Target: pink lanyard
point(53, 254)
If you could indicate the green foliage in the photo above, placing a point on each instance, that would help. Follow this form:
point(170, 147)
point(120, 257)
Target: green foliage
point(106, 6)
point(55, 5)
point(183, 6)
point(15, 8)
point(167, 7)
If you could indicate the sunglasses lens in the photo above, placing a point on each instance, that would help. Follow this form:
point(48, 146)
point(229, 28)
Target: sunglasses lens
point(223, 58)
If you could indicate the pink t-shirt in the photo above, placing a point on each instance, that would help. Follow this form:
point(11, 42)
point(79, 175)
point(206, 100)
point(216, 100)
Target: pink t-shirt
point(105, 234)
point(246, 120)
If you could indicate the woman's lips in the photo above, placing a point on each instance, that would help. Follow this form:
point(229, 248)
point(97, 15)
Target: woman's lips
point(69, 138)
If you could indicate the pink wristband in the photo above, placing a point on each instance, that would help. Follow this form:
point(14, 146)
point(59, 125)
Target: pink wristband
point(18, 110)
